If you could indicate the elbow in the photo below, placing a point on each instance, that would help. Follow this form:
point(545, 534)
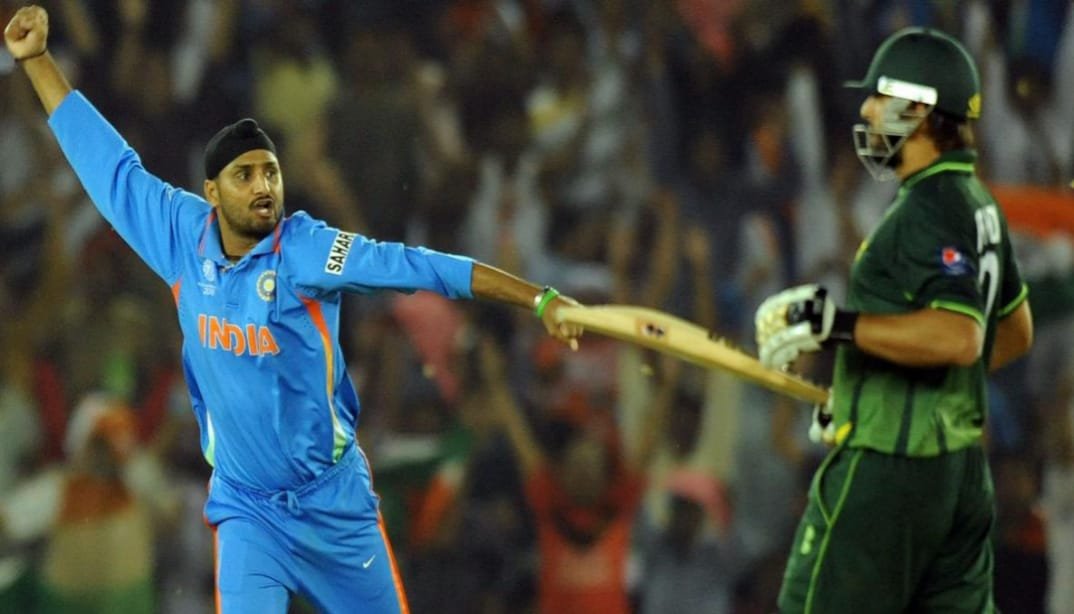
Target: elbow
point(1026, 340)
point(967, 357)
point(1027, 331)
point(1014, 336)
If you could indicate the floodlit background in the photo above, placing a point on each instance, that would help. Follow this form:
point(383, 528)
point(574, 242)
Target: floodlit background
point(691, 155)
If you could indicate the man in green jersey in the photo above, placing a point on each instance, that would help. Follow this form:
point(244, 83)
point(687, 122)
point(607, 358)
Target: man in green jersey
point(899, 513)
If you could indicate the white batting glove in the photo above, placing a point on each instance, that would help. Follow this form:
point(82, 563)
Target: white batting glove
point(799, 319)
point(822, 429)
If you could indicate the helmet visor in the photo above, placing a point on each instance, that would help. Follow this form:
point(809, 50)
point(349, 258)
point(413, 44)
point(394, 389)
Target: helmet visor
point(877, 146)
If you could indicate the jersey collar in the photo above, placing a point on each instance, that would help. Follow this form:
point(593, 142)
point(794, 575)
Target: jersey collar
point(957, 161)
point(210, 246)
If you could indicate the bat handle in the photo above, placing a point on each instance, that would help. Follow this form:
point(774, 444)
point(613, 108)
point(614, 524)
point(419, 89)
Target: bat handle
point(822, 422)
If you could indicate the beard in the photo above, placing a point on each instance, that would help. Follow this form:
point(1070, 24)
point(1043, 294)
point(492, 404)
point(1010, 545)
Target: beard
point(882, 149)
point(248, 224)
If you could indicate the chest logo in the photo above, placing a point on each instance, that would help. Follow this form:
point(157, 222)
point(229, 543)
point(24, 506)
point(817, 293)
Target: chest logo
point(266, 285)
point(337, 256)
point(218, 334)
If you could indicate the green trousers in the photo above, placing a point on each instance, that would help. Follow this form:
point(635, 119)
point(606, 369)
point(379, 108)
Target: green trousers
point(883, 533)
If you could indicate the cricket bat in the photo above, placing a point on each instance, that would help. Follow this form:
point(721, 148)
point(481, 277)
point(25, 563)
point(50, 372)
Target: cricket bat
point(672, 335)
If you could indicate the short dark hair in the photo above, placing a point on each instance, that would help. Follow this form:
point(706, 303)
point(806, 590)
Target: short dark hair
point(950, 132)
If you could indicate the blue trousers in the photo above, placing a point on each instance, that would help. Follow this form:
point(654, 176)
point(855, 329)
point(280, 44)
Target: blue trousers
point(324, 541)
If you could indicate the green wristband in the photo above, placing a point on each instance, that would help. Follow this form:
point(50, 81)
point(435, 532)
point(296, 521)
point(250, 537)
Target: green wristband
point(541, 301)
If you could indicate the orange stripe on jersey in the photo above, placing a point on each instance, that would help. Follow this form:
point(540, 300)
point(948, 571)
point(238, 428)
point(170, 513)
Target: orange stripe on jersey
point(205, 231)
point(216, 572)
point(175, 290)
point(276, 239)
point(404, 607)
point(317, 316)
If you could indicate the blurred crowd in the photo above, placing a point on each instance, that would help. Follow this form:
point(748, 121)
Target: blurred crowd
point(689, 155)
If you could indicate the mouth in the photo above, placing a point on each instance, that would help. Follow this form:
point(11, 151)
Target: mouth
point(264, 208)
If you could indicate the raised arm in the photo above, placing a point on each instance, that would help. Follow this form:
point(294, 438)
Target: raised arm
point(153, 217)
point(26, 37)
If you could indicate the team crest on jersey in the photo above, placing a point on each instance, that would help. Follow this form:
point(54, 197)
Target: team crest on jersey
point(266, 285)
point(337, 256)
point(208, 271)
point(953, 261)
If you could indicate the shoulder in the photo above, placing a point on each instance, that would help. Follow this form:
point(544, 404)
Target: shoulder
point(301, 223)
point(305, 232)
point(312, 246)
point(936, 203)
point(193, 213)
point(197, 204)
point(302, 229)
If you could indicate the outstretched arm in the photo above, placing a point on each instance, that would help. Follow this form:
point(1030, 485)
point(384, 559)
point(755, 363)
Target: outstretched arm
point(26, 37)
point(493, 284)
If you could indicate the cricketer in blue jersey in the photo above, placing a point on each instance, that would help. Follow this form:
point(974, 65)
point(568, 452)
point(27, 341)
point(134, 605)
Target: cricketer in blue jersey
point(258, 296)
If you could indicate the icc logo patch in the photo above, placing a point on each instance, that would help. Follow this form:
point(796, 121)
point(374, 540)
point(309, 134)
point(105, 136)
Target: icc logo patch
point(266, 285)
point(953, 261)
point(208, 271)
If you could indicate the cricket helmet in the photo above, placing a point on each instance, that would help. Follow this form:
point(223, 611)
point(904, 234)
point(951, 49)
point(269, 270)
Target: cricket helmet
point(920, 69)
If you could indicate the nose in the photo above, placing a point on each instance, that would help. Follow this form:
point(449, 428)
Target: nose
point(870, 105)
point(261, 184)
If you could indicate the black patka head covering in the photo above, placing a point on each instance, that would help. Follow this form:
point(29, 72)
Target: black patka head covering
point(231, 142)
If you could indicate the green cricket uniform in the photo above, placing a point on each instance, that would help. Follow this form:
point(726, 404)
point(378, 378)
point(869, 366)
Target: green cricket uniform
point(900, 512)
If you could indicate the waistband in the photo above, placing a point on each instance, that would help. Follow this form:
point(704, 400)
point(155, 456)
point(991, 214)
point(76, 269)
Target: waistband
point(291, 498)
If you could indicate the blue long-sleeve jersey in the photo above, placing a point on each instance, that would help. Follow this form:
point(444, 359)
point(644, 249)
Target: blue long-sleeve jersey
point(261, 353)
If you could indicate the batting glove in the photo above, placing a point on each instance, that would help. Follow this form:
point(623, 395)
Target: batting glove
point(822, 429)
point(799, 319)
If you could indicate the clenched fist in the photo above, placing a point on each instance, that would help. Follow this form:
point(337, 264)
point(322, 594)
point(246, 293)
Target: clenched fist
point(26, 35)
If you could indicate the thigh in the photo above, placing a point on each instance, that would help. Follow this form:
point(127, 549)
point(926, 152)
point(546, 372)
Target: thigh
point(250, 574)
point(359, 575)
point(346, 563)
point(959, 576)
point(849, 553)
